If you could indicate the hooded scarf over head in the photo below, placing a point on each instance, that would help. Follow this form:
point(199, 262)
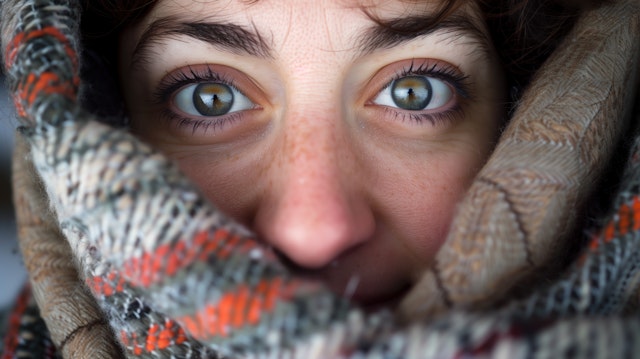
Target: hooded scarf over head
point(127, 259)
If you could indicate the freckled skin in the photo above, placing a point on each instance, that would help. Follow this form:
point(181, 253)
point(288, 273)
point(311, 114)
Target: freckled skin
point(342, 188)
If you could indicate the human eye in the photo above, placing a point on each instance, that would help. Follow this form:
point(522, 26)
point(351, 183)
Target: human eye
point(204, 98)
point(423, 90)
point(415, 93)
point(211, 99)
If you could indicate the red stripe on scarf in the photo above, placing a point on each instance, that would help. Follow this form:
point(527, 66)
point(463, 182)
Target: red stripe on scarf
point(626, 220)
point(168, 259)
point(15, 321)
point(159, 336)
point(46, 82)
point(13, 47)
point(241, 307)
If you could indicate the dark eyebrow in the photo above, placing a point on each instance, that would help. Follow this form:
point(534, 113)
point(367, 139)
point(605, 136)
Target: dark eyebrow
point(226, 35)
point(385, 34)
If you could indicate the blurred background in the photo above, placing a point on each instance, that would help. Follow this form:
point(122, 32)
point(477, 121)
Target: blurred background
point(12, 272)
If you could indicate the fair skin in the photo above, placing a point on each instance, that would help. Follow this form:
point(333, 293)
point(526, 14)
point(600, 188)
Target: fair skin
point(344, 153)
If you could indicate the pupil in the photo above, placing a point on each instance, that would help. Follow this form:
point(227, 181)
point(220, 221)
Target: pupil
point(412, 93)
point(212, 99)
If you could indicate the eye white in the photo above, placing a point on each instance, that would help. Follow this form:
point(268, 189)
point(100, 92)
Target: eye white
point(441, 95)
point(183, 100)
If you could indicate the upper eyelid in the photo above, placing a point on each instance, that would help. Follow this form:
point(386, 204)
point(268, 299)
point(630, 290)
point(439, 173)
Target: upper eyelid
point(191, 74)
point(448, 73)
point(174, 81)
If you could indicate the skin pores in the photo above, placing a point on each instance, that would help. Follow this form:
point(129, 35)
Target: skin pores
point(343, 146)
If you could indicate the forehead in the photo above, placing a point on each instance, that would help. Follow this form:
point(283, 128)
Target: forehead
point(274, 13)
point(344, 24)
point(226, 7)
point(291, 28)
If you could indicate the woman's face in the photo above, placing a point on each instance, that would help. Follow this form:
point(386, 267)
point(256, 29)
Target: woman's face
point(343, 145)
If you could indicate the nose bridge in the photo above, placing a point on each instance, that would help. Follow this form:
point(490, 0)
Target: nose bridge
point(309, 147)
point(310, 212)
point(312, 122)
point(311, 179)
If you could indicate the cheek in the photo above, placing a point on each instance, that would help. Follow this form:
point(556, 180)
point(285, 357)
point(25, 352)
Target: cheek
point(226, 179)
point(419, 205)
point(442, 197)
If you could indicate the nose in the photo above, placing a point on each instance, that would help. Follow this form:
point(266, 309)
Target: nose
point(314, 209)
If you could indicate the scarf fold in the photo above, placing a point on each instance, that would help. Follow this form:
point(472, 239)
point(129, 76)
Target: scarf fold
point(520, 212)
point(126, 257)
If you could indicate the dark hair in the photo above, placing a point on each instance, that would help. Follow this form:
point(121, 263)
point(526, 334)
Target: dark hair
point(524, 32)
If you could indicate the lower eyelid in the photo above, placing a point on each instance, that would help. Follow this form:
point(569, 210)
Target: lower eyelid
point(200, 126)
point(445, 118)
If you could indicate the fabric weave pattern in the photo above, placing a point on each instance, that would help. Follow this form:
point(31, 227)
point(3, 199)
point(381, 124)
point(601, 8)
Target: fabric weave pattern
point(173, 277)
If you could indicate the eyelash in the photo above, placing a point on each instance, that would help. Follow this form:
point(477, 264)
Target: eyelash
point(190, 75)
point(181, 78)
point(459, 82)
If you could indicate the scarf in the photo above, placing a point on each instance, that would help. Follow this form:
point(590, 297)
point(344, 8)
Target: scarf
point(127, 259)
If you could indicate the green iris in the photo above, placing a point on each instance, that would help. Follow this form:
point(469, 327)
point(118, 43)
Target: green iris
point(412, 93)
point(212, 99)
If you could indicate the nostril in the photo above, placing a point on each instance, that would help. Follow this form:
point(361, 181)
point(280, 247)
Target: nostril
point(300, 269)
point(288, 262)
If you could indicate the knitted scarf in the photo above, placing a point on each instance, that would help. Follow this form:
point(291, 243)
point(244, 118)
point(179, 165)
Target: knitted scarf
point(127, 259)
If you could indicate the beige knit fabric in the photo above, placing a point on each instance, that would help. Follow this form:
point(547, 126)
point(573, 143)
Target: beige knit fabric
point(74, 319)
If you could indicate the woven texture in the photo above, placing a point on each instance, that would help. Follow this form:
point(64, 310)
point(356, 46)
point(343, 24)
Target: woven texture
point(127, 259)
